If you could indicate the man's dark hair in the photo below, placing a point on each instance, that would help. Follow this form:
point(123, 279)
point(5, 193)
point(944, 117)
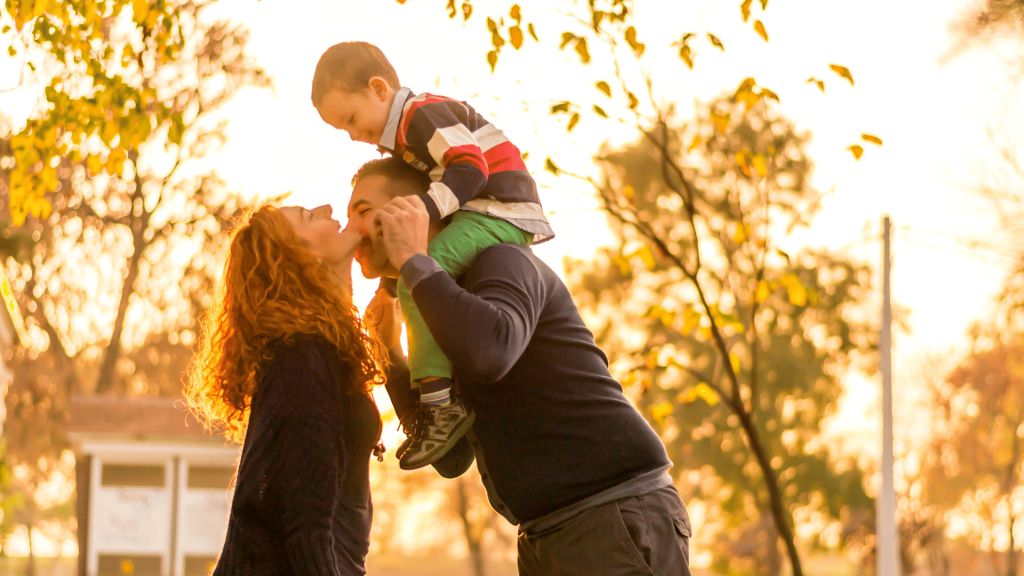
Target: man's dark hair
point(403, 180)
point(348, 66)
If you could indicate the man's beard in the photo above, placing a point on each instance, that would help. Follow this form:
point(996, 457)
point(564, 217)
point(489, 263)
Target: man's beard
point(372, 258)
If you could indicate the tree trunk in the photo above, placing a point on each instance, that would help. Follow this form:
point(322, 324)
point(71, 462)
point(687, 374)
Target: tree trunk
point(473, 542)
point(30, 568)
point(778, 509)
point(105, 381)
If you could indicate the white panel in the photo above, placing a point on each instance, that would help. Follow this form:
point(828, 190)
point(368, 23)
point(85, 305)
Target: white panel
point(131, 520)
point(445, 138)
point(489, 136)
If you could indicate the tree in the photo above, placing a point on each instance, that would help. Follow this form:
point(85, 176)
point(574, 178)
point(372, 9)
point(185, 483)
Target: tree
point(974, 464)
point(787, 322)
point(684, 227)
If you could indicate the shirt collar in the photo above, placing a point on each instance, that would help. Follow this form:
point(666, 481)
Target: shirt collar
point(387, 137)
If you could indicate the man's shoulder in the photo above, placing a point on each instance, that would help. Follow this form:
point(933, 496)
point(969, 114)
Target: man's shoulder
point(511, 257)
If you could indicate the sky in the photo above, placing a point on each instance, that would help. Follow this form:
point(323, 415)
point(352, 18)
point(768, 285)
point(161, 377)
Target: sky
point(930, 108)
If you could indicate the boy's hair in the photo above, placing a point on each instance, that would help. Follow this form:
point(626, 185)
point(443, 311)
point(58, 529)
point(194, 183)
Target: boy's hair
point(403, 179)
point(348, 66)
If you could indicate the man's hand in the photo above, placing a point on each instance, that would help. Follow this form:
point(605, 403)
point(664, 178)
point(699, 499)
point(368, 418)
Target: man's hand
point(403, 223)
point(383, 315)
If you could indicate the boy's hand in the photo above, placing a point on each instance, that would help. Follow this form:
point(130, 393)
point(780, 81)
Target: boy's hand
point(404, 223)
point(383, 315)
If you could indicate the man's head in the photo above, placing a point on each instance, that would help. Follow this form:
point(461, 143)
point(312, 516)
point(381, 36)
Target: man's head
point(353, 88)
point(375, 184)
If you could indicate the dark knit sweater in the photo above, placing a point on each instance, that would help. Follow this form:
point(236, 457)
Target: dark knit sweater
point(552, 423)
point(302, 496)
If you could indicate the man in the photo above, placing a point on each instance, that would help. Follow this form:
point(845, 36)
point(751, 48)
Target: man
point(560, 450)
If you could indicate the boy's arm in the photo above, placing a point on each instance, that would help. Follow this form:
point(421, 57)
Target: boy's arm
point(439, 128)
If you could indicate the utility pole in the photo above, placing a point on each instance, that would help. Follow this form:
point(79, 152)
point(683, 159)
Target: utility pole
point(887, 537)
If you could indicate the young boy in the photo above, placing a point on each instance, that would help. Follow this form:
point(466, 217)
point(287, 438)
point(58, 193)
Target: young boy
point(478, 178)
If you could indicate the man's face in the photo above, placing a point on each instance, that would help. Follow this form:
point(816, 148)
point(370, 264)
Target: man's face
point(368, 197)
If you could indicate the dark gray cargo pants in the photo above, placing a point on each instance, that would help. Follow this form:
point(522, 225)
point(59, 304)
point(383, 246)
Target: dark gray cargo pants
point(646, 535)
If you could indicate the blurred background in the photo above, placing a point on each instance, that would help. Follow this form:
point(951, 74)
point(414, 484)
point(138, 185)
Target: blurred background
point(716, 174)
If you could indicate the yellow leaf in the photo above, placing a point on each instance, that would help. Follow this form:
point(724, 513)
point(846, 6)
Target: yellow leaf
point(721, 122)
point(652, 360)
point(764, 5)
point(661, 411)
point(872, 139)
point(600, 111)
point(633, 102)
point(628, 191)
point(706, 393)
point(693, 145)
point(515, 36)
point(684, 53)
point(741, 158)
point(856, 150)
point(566, 38)
point(533, 33)
point(746, 85)
point(12, 51)
point(741, 233)
point(797, 295)
point(645, 254)
point(39, 8)
point(691, 319)
point(94, 163)
point(734, 361)
point(760, 164)
point(604, 87)
point(716, 42)
point(492, 59)
point(581, 49)
point(762, 293)
point(515, 13)
point(759, 28)
point(573, 121)
point(842, 71)
point(630, 36)
point(108, 132)
point(140, 10)
point(705, 331)
point(623, 265)
point(745, 9)
point(766, 93)
point(550, 166)
point(749, 99)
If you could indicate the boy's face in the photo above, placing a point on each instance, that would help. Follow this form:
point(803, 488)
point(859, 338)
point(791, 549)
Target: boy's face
point(362, 114)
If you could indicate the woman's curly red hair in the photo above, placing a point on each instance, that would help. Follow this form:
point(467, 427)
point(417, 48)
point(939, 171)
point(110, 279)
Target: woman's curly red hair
point(274, 290)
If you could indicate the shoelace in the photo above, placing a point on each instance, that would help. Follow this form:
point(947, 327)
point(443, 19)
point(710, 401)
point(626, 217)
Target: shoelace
point(415, 425)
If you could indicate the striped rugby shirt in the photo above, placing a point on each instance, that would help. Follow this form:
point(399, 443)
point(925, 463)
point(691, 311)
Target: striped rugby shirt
point(471, 164)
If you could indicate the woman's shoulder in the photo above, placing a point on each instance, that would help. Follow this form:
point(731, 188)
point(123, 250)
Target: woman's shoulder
point(308, 363)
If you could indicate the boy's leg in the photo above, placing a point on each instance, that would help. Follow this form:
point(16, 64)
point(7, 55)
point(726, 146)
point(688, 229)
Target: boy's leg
point(454, 249)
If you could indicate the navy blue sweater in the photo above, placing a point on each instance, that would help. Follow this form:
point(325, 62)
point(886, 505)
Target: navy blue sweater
point(552, 423)
point(302, 495)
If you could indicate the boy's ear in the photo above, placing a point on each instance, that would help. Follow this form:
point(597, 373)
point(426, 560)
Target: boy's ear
point(379, 87)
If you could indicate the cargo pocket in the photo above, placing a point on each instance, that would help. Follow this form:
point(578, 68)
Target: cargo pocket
point(684, 532)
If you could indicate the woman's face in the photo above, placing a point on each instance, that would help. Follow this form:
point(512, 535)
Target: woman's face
point(322, 234)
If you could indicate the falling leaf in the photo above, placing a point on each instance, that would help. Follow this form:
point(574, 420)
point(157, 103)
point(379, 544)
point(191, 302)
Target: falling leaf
point(745, 9)
point(842, 71)
point(684, 53)
point(763, 292)
point(764, 5)
point(550, 166)
point(596, 19)
point(716, 42)
point(492, 26)
point(820, 83)
point(561, 107)
point(515, 13)
point(759, 28)
point(467, 11)
point(766, 93)
point(566, 38)
point(492, 59)
point(696, 142)
point(600, 111)
point(525, 155)
point(515, 36)
point(747, 84)
point(604, 87)
point(452, 12)
point(760, 164)
point(633, 102)
point(782, 253)
point(573, 121)
point(856, 150)
point(872, 139)
point(581, 49)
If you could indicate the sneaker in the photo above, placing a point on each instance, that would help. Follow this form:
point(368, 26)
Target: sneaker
point(434, 431)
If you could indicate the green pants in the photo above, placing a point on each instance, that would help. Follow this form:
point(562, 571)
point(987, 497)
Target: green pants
point(454, 248)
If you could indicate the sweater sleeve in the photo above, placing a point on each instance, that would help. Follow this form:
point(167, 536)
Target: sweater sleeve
point(308, 455)
point(438, 129)
point(485, 327)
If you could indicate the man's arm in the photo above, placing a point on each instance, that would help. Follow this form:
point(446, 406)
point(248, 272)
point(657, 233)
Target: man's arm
point(485, 327)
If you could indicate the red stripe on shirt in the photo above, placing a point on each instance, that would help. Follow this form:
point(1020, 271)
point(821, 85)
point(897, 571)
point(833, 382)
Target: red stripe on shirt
point(403, 128)
point(466, 154)
point(504, 157)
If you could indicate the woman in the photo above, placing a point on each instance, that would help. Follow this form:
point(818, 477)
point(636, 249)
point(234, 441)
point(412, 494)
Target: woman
point(285, 365)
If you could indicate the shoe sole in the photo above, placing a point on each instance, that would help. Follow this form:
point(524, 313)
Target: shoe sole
point(459, 433)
